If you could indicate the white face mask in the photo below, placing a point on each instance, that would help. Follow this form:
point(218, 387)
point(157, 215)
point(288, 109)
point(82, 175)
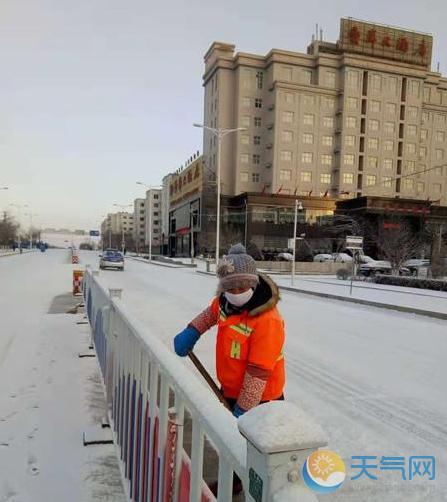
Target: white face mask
point(239, 299)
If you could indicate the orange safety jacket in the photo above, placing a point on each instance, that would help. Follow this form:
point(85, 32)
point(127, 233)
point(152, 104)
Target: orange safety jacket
point(254, 338)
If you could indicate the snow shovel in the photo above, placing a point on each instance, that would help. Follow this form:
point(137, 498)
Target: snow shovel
point(202, 370)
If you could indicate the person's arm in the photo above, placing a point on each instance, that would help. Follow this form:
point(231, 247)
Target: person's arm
point(207, 318)
point(266, 347)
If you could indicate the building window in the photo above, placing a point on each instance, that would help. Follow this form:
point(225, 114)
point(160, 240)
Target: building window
point(244, 158)
point(325, 178)
point(376, 82)
point(246, 101)
point(412, 112)
point(328, 121)
point(308, 138)
point(256, 158)
point(306, 76)
point(353, 79)
point(372, 162)
point(414, 88)
point(387, 182)
point(388, 164)
point(373, 144)
point(307, 157)
point(349, 140)
point(348, 159)
point(326, 160)
point(245, 139)
point(328, 103)
point(373, 125)
point(390, 127)
point(388, 146)
point(352, 103)
point(411, 130)
point(438, 171)
point(348, 178)
point(244, 177)
point(285, 155)
point(287, 117)
point(245, 121)
point(409, 183)
point(330, 79)
point(422, 152)
point(410, 166)
point(255, 177)
point(440, 136)
point(351, 122)
point(258, 122)
point(427, 92)
point(155, 204)
point(437, 187)
point(374, 106)
point(326, 140)
point(439, 154)
point(306, 176)
point(155, 196)
point(392, 82)
point(420, 187)
point(258, 103)
point(308, 119)
point(256, 140)
point(411, 148)
point(259, 78)
point(425, 117)
point(289, 97)
point(285, 175)
point(287, 136)
point(424, 134)
point(390, 108)
point(309, 100)
point(371, 180)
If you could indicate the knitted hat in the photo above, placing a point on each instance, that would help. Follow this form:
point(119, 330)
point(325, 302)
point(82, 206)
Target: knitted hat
point(237, 270)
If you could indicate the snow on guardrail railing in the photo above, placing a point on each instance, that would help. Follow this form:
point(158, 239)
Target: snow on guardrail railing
point(148, 391)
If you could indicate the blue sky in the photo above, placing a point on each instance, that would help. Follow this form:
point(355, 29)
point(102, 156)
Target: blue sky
point(97, 94)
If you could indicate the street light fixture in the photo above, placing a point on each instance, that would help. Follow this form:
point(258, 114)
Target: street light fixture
point(149, 187)
point(220, 133)
point(123, 243)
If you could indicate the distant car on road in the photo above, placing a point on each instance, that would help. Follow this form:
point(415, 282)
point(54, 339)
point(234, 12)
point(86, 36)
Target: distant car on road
point(111, 258)
point(323, 257)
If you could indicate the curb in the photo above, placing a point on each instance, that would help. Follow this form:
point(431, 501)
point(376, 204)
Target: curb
point(160, 264)
point(407, 310)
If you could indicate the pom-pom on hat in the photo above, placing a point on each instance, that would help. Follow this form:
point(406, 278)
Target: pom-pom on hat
point(237, 269)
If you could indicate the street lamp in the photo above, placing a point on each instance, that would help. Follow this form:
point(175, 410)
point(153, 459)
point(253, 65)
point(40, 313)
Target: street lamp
point(30, 228)
point(220, 133)
point(123, 243)
point(298, 208)
point(19, 210)
point(149, 188)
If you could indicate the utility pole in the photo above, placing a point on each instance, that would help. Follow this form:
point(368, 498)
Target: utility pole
point(298, 207)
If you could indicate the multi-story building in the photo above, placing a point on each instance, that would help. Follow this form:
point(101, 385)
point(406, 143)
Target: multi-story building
point(153, 207)
point(166, 183)
point(139, 223)
point(114, 227)
point(365, 116)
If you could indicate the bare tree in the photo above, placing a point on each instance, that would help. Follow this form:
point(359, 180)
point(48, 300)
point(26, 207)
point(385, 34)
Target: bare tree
point(8, 229)
point(398, 243)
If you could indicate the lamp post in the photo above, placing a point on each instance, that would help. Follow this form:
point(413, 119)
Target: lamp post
point(19, 211)
point(30, 228)
point(220, 133)
point(149, 188)
point(298, 207)
point(123, 243)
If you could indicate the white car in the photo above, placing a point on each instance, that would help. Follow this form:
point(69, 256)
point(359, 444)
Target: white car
point(111, 258)
point(342, 257)
point(323, 257)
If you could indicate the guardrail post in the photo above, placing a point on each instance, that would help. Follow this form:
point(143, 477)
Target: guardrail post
point(280, 436)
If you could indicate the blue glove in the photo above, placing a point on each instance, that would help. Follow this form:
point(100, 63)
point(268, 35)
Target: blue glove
point(238, 411)
point(185, 341)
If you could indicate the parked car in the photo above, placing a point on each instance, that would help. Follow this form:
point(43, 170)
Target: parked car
point(284, 257)
point(415, 264)
point(374, 267)
point(111, 258)
point(342, 257)
point(323, 257)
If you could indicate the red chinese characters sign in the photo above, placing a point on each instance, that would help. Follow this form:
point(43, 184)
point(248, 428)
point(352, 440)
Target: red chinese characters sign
point(385, 42)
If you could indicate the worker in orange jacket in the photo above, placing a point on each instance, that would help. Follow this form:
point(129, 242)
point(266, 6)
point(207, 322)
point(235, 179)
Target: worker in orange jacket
point(250, 336)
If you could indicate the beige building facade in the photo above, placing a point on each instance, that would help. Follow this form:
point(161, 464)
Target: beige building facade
point(153, 222)
point(363, 116)
point(139, 222)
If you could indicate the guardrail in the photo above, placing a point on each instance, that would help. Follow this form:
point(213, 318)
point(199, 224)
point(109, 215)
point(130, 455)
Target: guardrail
point(149, 393)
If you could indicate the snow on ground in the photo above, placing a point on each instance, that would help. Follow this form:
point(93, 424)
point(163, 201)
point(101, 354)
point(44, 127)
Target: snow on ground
point(373, 378)
point(47, 394)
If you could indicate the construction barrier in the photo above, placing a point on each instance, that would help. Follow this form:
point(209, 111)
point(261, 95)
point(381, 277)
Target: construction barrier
point(77, 281)
point(148, 390)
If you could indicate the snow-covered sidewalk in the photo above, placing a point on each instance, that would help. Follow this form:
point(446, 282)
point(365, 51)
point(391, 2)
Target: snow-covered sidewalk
point(48, 396)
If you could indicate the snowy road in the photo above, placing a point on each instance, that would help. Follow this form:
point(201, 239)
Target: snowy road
point(375, 379)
